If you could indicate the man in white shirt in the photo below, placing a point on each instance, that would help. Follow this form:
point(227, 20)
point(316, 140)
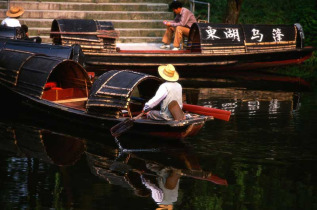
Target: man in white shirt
point(167, 92)
point(12, 14)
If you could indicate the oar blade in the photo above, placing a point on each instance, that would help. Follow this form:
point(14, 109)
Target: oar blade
point(121, 127)
point(216, 113)
point(217, 180)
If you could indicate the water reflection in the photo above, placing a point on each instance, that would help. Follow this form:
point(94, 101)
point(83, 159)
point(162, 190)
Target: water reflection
point(244, 100)
point(148, 175)
point(30, 142)
point(153, 172)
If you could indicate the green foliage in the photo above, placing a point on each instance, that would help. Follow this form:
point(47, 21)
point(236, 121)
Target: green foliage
point(283, 12)
point(275, 12)
point(269, 12)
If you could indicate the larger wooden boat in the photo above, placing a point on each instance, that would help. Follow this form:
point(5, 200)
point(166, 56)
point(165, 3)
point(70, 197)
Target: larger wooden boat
point(210, 47)
point(61, 89)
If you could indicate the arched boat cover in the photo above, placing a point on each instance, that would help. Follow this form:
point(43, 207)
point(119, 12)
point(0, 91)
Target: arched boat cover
point(29, 72)
point(67, 52)
point(228, 38)
point(91, 35)
point(112, 91)
point(10, 64)
point(11, 32)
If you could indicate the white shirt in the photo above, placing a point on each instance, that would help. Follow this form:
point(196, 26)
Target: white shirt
point(160, 94)
point(11, 22)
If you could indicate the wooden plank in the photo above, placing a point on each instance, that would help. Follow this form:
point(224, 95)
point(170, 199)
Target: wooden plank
point(71, 100)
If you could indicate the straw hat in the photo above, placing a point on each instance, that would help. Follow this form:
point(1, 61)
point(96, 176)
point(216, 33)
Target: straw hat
point(15, 11)
point(168, 73)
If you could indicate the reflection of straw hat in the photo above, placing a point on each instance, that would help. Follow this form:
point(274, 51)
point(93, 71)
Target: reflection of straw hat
point(15, 11)
point(168, 73)
point(165, 207)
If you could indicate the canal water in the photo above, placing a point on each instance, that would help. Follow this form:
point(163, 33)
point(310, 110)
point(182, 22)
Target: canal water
point(265, 157)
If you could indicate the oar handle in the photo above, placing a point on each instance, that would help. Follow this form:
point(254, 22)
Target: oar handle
point(139, 115)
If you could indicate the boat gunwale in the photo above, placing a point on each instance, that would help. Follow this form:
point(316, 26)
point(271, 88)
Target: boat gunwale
point(182, 53)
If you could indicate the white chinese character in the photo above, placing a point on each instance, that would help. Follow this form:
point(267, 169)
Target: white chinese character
point(232, 33)
point(211, 33)
point(257, 35)
point(277, 35)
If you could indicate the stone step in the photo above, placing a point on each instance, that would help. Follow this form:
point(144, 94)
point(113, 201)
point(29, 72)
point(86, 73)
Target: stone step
point(137, 20)
point(46, 23)
point(97, 15)
point(102, 1)
point(80, 6)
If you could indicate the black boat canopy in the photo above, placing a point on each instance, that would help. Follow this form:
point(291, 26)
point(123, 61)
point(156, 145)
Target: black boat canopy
point(73, 52)
point(228, 38)
point(11, 32)
point(29, 72)
point(91, 35)
point(121, 90)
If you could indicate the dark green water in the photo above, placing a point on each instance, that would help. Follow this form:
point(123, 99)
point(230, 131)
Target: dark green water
point(267, 154)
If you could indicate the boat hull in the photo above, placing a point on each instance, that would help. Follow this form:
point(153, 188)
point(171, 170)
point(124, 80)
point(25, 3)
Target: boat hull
point(193, 64)
point(59, 115)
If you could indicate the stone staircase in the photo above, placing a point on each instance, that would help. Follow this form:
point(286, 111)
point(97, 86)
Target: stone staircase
point(137, 20)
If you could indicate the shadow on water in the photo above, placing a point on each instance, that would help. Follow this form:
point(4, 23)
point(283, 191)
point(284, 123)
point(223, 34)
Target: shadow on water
point(265, 154)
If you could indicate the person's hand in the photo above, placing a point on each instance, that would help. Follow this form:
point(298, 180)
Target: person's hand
point(146, 108)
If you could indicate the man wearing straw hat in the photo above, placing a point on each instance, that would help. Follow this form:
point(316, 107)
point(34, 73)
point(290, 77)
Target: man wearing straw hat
point(167, 92)
point(13, 13)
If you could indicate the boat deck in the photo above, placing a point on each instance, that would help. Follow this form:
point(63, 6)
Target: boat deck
point(141, 46)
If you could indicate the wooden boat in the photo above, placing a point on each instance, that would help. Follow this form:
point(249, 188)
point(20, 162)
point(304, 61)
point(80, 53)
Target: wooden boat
point(61, 89)
point(210, 47)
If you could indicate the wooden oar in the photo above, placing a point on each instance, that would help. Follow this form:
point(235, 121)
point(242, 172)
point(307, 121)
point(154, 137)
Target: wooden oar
point(210, 178)
point(216, 113)
point(124, 126)
point(201, 110)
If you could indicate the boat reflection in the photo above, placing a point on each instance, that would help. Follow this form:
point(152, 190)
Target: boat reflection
point(48, 146)
point(153, 171)
point(248, 80)
point(241, 100)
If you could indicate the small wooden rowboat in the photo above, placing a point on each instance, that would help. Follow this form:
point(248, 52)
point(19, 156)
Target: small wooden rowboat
point(61, 89)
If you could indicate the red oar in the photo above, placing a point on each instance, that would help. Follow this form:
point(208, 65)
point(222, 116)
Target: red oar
point(216, 113)
point(211, 178)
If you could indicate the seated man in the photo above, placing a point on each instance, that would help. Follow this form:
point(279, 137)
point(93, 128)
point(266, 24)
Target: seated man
point(167, 92)
point(181, 26)
point(12, 17)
